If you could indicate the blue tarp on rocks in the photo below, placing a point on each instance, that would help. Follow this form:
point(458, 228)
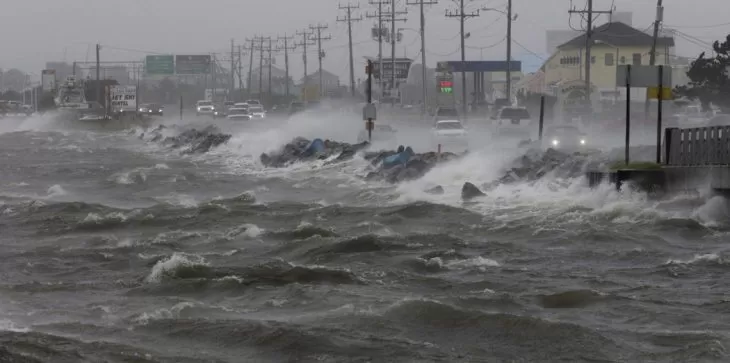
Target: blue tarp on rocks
point(316, 146)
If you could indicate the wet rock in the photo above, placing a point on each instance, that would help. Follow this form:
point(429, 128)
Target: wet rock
point(301, 149)
point(536, 164)
point(470, 191)
point(192, 140)
point(437, 190)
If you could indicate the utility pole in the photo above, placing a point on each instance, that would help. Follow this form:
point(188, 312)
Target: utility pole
point(393, 38)
point(270, 96)
point(321, 54)
point(261, 66)
point(349, 19)
point(508, 84)
point(510, 19)
point(98, 69)
point(421, 4)
point(652, 55)
point(462, 18)
point(589, 42)
point(232, 86)
point(214, 66)
point(306, 38)
point(286, 62)
point(380, 16)
point(249, 82)
point(240, 69)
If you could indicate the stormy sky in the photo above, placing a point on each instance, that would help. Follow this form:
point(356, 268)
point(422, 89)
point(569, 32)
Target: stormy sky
point(36, 31)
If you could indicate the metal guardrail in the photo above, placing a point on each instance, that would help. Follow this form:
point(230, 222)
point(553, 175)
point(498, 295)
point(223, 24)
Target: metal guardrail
point(699, 146)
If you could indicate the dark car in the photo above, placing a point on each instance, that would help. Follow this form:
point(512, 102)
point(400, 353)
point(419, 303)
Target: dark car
point(565, 137)
point(150, 109)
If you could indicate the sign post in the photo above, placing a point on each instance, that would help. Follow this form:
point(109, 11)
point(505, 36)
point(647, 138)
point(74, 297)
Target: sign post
point(659, 117)
point(657, 82)
point(628, 114)
point(369, 112)
point(160, 65)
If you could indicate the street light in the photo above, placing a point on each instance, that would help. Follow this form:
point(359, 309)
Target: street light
point(510, 19)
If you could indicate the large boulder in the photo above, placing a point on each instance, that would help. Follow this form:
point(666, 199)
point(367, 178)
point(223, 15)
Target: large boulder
point(470, 191)
point(301, 149)
point(193, 140)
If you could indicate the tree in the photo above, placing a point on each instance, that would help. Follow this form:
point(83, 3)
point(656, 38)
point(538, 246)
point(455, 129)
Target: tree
point(709, 81)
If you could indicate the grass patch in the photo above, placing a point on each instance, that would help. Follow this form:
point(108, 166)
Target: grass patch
point(639, 165)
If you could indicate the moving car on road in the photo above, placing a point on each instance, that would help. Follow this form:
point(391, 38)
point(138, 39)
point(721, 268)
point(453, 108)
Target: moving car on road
point(204, 108)
point(451, 135)
point(446, 113)
point(150, 109)
point(564, 137)
point(257, 111)
point(237, 113)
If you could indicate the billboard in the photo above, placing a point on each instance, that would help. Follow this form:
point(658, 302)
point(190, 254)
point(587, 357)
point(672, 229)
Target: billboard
point(642, 76)
point(402, 66)
point(192, 64)
point(48, 80)
point(123, 97)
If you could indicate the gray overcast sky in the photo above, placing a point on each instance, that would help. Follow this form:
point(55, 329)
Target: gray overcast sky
point(36, 31)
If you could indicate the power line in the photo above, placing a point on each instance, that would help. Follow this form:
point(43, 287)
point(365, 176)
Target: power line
point(421, 4)
point(462, 15)
point(318, 28)
point(286, 48)
point(349, 20)
point(589, 12)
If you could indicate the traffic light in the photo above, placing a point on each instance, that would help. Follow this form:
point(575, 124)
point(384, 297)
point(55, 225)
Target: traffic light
point(368, 67)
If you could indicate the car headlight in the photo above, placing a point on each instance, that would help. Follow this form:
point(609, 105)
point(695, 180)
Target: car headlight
point(140, 110)
point(198, 108)
point(582, 141)
point(556, 142)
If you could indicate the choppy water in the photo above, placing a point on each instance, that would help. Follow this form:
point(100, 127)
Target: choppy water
point(118, 249)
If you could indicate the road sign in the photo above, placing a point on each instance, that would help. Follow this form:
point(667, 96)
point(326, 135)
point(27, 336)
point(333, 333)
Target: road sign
point(160, 64)
point(653, 93)
point(192, 64)
point(643, 76)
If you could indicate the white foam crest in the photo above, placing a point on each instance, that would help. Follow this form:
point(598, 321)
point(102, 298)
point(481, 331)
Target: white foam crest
point(56, 191)
point(168, 267)
point(708, 257)
point(35, 122)
point(7, 325)
point(163, 313)
point(477, 262)
point(324, 125)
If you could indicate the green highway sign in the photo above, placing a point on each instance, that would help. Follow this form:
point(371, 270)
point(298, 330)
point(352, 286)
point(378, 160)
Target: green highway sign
point(192, 64)
point(160, 64)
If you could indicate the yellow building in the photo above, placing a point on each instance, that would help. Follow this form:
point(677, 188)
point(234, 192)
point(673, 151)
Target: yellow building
point(613, 44)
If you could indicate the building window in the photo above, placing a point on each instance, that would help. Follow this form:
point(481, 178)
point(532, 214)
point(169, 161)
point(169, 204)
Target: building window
point(609, 59)
point(636, 59)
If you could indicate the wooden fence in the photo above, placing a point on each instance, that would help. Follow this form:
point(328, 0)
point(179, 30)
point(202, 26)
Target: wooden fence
point(697, 146)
